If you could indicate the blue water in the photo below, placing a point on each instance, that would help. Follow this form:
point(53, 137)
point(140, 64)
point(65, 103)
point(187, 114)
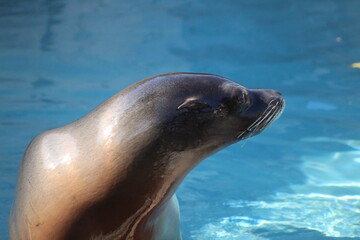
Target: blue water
point(299, 179)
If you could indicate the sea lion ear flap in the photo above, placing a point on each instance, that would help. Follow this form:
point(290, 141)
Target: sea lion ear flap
point(193, 103)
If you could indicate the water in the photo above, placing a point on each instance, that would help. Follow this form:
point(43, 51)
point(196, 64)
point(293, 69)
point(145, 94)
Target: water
point(297, 180)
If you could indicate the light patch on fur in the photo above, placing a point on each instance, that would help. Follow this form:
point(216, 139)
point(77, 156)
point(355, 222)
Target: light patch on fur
point(58, 149)
point(188, 100)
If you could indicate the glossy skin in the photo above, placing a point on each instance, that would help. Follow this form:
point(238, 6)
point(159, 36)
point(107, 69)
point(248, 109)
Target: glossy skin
point(113, 173)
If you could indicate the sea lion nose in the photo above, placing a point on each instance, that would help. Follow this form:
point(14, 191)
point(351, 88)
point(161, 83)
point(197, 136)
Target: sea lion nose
point(278, 96)
point(273, 97)
point(261, 99)
point(270, 95)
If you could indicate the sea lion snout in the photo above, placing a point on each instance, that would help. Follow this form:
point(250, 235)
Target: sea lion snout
point(264, 98)
point(266, 105)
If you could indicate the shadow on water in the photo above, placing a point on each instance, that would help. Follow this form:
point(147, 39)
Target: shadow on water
point(53, 9)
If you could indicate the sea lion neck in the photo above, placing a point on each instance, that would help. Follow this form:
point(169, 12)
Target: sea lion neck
point(150, 179)
point(138, 176)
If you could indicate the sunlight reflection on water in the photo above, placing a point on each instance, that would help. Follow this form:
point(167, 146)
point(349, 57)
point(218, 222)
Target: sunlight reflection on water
point(328, 202)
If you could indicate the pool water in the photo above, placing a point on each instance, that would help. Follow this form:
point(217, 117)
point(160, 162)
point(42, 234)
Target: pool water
point(299, 179)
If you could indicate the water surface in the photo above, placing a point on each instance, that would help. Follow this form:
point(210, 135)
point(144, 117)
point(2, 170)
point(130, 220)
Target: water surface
point(297, 180)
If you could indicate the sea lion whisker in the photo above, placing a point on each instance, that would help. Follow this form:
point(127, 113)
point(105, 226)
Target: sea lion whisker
point(244, 142)
point(273, 117)
point(260, 120)
point(266, 120)
point(254, 125)
point(262, 116)
point(264, 124)
point(241, 134)
point(269, 118)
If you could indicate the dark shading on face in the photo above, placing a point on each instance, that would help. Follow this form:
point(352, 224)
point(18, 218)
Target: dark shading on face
point(219, 112)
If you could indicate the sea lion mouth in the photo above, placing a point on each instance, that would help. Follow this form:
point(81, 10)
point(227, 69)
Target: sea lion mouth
point(273, 111)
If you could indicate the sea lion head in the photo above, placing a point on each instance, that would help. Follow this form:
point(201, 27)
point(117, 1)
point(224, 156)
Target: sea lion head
point(208, 111)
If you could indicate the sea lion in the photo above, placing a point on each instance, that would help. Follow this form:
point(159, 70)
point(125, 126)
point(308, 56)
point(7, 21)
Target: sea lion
point(113, 173)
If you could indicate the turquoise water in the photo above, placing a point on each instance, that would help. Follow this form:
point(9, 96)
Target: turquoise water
point(299, 179)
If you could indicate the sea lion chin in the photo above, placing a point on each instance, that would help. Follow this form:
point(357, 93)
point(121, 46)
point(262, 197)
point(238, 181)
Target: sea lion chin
point(113, 173)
